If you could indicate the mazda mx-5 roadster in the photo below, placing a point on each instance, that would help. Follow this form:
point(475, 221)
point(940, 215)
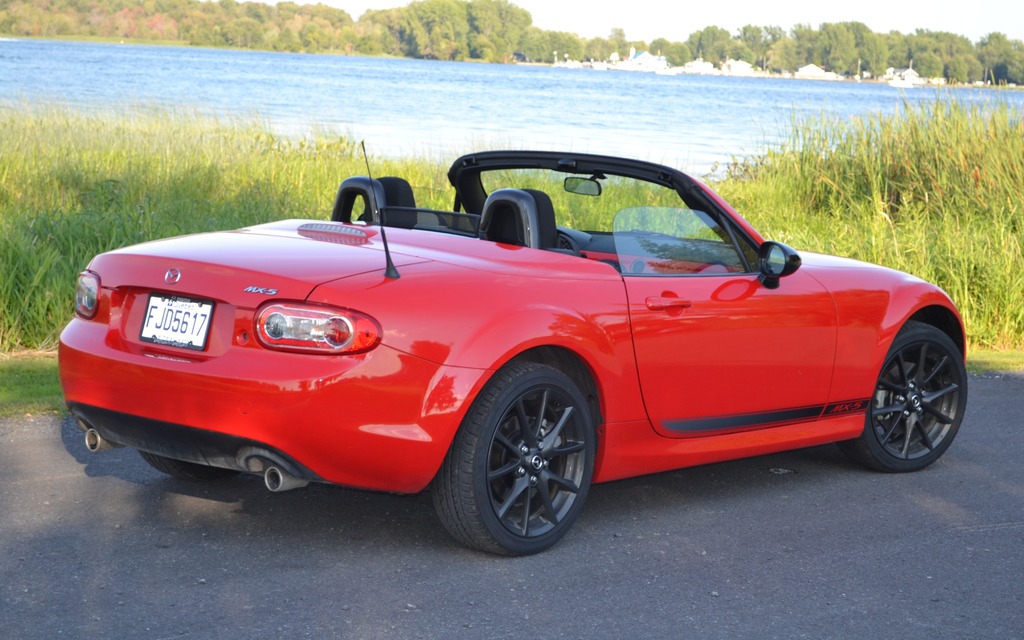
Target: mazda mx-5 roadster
point(573, 319)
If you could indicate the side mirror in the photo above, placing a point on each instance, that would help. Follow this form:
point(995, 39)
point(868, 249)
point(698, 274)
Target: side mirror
point(583, 186)
point(776, 260)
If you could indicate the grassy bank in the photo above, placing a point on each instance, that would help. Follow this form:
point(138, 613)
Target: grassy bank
point(934, 192)
point(74, 184)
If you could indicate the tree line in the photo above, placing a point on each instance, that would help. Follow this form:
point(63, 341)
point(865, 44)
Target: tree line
point(499, 31)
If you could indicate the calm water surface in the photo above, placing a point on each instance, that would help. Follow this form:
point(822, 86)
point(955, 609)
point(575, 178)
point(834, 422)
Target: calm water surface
point(442, 109)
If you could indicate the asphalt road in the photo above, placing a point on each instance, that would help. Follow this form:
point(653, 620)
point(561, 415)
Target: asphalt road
point(796, 545)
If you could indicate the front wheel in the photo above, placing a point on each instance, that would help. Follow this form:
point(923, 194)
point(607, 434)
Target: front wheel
point(520, 468)
point(918, 403)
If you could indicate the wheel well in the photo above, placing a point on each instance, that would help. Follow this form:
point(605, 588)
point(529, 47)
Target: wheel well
point(943, 319)
point(573, 366)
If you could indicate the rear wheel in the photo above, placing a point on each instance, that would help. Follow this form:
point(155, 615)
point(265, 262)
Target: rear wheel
point(918, 404)
point(520, 468)
point(186, 470)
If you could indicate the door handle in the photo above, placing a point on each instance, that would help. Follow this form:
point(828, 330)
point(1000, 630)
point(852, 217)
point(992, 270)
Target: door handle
point(663, 303)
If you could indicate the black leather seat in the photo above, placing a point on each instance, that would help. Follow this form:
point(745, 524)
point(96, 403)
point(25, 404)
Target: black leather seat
point(523, 217)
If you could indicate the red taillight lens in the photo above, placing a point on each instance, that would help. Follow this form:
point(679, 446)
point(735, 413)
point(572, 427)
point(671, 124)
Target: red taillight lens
point(87, 295)
point(316, 329)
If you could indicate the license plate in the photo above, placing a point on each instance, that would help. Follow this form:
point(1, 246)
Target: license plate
point(177, 322)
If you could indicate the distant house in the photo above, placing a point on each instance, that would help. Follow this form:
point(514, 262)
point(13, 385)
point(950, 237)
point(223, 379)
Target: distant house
point(814, 72)
point(737, 68)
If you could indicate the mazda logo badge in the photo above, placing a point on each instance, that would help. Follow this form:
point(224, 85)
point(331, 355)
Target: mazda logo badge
point(172, 276)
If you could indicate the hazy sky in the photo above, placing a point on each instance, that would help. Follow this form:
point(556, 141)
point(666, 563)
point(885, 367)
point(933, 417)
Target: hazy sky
point(675, 20)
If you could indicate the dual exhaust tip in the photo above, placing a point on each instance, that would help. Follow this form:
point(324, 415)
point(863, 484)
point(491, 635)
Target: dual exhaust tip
point(275, 478)
point(278, 480)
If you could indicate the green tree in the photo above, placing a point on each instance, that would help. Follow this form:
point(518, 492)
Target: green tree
point(757, 42)
point(599, 49)
point(496, 28)
point(838, 48)
point(806, 44)
point(782, 56)
point(678, 54)
point(535, 45)
point(710, 43)
point(568, 45)
point(438, 29)
point(874, 53)
point(1002, 59)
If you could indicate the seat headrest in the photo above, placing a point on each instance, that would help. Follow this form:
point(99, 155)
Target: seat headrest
point(523, 217)
point(387, 193)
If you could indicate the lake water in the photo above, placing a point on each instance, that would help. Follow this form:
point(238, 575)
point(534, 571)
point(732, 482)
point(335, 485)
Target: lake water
point(442, 109)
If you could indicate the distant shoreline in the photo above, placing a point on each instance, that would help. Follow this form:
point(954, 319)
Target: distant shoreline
point(582, 67)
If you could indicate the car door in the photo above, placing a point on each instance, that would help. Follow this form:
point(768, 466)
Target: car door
point(717, 351)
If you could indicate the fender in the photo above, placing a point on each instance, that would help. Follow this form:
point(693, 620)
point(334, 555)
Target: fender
point(871, 312)
point(490, 329)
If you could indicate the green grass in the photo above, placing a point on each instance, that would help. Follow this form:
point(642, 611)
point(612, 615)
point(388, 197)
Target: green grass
point(74, 184)
point(934, 191)
point(30, 385)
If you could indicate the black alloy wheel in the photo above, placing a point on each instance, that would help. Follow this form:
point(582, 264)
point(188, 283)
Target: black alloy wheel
point(918, 403)
point(520, 468)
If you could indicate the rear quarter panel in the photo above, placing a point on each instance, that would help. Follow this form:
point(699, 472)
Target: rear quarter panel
point(483, 311)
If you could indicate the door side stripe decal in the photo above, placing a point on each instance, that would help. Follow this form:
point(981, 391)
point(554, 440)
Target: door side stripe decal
point(719, 425)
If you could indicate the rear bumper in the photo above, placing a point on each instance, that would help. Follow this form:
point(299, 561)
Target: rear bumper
point(187, 443)
point(382, 420)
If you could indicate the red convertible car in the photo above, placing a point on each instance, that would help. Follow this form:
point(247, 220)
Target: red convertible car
point(573, 319)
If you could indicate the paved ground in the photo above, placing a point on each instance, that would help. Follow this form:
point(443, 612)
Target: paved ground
point(798, 545)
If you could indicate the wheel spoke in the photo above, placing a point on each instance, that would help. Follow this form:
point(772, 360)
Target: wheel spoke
point(901, 364)
point(500, 438)
point(529, 435)
point(927, 439)
point(527, 508)
point(877, 412)
point(544, 492)
point(935, 395)
point(551, 438)
point(938, 415)
point(547, 476)
point(939, 366)
point(561, 451)
point(921, 364)
point(501, 472)
point(908, 433)
point(520, 485)
point(891, 429)
point(890, 386)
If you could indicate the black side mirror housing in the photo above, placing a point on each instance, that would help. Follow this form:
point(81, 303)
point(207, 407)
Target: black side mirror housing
point(774, 261)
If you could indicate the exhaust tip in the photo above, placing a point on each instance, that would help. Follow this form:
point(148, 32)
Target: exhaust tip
point(278, 480)
point(95, 442)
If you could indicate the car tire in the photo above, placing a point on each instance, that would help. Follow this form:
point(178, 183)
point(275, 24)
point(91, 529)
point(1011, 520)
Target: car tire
point(186, 470)
point(918, 403)
point(520, 467)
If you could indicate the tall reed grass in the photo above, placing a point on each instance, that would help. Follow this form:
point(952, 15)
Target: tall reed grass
point(73, 184)
point(934, 191)
point(937, 191)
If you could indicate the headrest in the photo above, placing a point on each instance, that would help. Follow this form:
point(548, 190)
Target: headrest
point(523, 217)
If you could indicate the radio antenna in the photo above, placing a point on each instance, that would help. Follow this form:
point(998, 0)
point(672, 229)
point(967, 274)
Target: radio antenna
point(390, 271)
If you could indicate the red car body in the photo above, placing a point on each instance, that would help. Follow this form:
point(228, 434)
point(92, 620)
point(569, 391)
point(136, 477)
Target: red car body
point(676, 369)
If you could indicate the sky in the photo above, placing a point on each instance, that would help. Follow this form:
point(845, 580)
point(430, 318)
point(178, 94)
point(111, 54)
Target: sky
point(676, 20)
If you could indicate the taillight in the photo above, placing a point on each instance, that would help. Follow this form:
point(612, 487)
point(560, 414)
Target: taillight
point(316, 329)
point(87, 295)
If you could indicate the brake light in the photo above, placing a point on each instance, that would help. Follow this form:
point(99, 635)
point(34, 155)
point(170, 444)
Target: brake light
point(316, 329)
point(87, 295)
